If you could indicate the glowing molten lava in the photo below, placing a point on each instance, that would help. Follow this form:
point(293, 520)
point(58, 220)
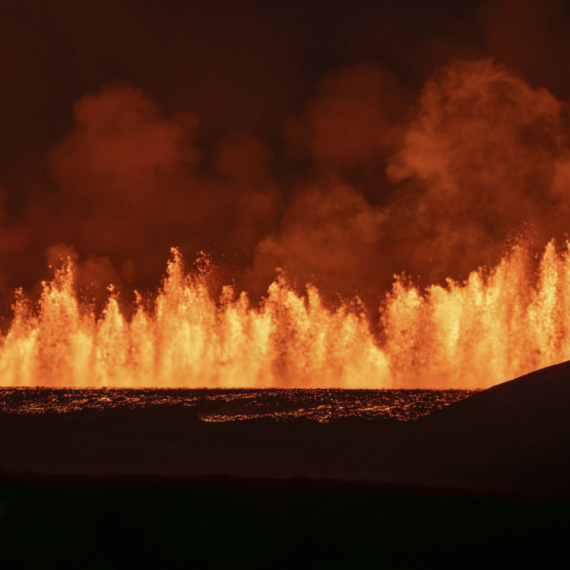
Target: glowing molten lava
point(495, 326)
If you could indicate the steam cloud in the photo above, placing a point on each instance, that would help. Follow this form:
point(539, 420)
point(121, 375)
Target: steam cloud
point(366, 177)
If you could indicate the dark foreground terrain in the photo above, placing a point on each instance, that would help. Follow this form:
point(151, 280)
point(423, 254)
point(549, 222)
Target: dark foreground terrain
point(483, 483)
point(223, 522)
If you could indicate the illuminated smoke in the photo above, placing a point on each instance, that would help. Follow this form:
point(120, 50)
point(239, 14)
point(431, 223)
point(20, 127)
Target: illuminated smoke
point(483, 153)
point(130, 183)
point(349, 121)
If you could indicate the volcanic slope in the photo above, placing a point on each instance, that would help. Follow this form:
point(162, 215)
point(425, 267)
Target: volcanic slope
point(512, 437)
point(515, 435)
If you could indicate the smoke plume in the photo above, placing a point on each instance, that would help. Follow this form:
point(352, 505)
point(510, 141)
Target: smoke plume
point(342, 162)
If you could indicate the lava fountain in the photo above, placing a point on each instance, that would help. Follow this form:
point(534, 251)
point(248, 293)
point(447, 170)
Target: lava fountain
point(496, 325)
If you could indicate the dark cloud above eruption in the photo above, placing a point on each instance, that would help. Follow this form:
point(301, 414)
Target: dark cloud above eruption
point(349, 121)
point(344, 149)
point(531, 38)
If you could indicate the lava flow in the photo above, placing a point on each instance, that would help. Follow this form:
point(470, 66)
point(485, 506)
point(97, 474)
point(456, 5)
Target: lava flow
point(496, 325)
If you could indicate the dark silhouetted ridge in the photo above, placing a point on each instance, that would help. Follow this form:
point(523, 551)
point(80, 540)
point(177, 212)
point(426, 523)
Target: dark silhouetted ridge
point(513, 435)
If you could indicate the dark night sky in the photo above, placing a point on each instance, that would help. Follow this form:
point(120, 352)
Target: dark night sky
point(245, 64)
point(279, 134)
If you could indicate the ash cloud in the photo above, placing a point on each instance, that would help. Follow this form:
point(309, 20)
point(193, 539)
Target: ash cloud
point(130, 185)
point(394, 139)
point(482, 154)
point(348, 122)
